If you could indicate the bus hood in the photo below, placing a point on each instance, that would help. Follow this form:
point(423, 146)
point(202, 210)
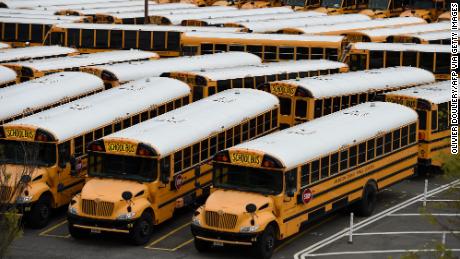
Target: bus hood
point(235, 201)
point(110, 189)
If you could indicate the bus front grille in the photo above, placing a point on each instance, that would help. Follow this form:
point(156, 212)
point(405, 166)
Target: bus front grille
point(101, 208)
point(5, 193)
point(220, 220)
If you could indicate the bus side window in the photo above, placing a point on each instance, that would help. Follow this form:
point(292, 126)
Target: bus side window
point(396, 138)
point(318, 108)
point(78, 145)
point(412, 133)
point(274, 118)
point(336, 104)
point(315, 171)
point(379, 150)
point(178, 161)
point(334, 163)
point(327, 106)
point(442, 63)
point(64, 153)
point(393, 59)
point(362, 153)
point(213, 146)
point(302, 53)
point(375, 59)
point(354, 99)
point(443, 116)
point(345, 102)
point(195, 153)
point(221, 141)
point(434, 120)
point(426, 60)
point(205, 149)
point(256, 50)
point(409, 59)
point(165, 167)
point(305, 175)
point(421, 119)
point(324, 167)
point(237, 132)
point(245, 131)
point(404, 136)
point(270, 53)
point(223, 85)
point(291, 182)
point(252, 128)
point(285, 104)
point(229, 138)
point(353, 155)
point(387, 143)
point(370, 149)
point(301, 109)
point(343, 160)
point(358, 62)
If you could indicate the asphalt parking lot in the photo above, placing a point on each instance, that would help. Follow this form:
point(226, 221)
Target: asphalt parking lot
point(395, 229)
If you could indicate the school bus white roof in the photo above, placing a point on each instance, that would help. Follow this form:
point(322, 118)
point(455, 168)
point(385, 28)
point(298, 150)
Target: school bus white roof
point(401, 47)
point(8, 55)
point(42, 3)
point(327, 86)
point(269, 69)
point(302, 143)
point(42, 16)
point(7, 75)
point(86, 114)
point(91, 6)
point(439, 92)
point(177, 19)
point(34, 20)
point(142, 27)
point(25, 11)
point(270, 26)
point(4, 45)
point(134, 6)
point(86, 59)
point(436, 35)
point(184, 126)
point(41, 92)
point(140, 8)
point(262, 17)
point(131, 71)
point(263, 36)
point(386, 32)
point(343, 27)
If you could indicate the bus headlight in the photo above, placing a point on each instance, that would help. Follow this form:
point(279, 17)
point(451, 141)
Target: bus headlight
point(73, 210)
point(196, 221)
point(249, 229)
point(23, 199)
point(127, 216)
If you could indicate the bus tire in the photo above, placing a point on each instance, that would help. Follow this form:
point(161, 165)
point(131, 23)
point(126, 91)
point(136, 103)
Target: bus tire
point(366, 205)
point(142, 231)
point(78, 233)
point(263, 248)
point(201, 245)
point(40, 212)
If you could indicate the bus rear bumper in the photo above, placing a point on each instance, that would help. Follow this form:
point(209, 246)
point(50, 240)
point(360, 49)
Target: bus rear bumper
point(98, 225)
point(246, 239)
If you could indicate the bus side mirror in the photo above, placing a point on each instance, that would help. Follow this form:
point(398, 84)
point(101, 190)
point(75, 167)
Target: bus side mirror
point(164, 177)
point(290, 193)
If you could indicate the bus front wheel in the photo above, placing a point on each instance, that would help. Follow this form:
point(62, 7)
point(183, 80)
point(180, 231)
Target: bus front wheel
point(78, 233)
point(264, 247)
point(201, 245)
point(143, 228)
point(39, 214)
point(366, 205)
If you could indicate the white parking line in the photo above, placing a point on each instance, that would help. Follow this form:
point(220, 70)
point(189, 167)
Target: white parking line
point(309, 250)
point(406, 233)
point(380, 252)
point(420, 214)
point(443, 200)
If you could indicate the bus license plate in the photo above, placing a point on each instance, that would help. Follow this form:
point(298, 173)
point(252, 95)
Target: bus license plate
point(96, 231)
point(218, 243)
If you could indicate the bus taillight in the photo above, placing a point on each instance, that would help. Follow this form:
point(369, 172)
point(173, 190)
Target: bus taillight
point(222, 157)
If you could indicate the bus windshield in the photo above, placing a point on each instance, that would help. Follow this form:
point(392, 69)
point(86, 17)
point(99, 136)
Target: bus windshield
point(378, 4)
point(122, 167)
point(27, 153)
point(331, 3)
point(248, 179)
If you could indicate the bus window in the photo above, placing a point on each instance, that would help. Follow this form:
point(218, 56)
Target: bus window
point(409, 59)
point(434, 120)
point(404, 136)
point(237, 83)
point(318, 108)
point(256, 50)
point(223, 85)
point(274, 118)
point(302, 53)
point(317, 53)
point(248, 82)
point(9, 31)
point(363, 98)
point(362, 153)
point(197, 93)
point(442, 63)
point(245, 131)
point(237, 137)
point(387, 147)
point(87, 39)
point(345, 101)
point(102, 37)
point(379, 149)
point(393, 59)
point(286, 53)
point(36, 33)
point(23, 32)
point(78, 145)
point(291, 181)
point(195, 153)
point(443, 116)
point(221, 141)
point(220, 48)
point(327, 106)
point(173, 40)
point(252, 128)
point(260, 124)
point(282, 77)
point(145, 38)
point(270, 53)
point(315, 171)
point(370, 149)
point(187, 157)
point(301, 108)
point(396, 139)
point(343, 160)
point(422, 119)
point(267, 120)
point(213, 146)
point(236, 48)
point(334, 163)
point(73, 37)
point(354, 99)
point(353, 155)
point(426, 60)
point(260, 80)
point(130, 40)
point(159, 40)
point(305, 175)
point(324, 167)
point(412, 133)
point(358, 62)
point(98, 134)
point(116, 39)
point(285, 106)
point(211, 90)
point(376, 59)
point(332, 54)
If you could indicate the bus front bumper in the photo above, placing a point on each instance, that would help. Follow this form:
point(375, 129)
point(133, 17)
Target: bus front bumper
point(220, 237)
point(98, 225)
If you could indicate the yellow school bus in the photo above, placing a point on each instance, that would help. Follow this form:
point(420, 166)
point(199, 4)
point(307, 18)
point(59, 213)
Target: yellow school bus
point(140, 176)
point(264, 190)
point(432, 103)
point(207, 82)
point(310, 98)
point(383, 8)
point(435, 37)
point(332, 7)
point(7, 77)
point(368, 55)
point(426, 9)
point(58, 137)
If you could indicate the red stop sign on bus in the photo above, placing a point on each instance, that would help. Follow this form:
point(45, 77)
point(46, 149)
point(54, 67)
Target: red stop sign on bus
point(307, 195)
point(178, 181)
